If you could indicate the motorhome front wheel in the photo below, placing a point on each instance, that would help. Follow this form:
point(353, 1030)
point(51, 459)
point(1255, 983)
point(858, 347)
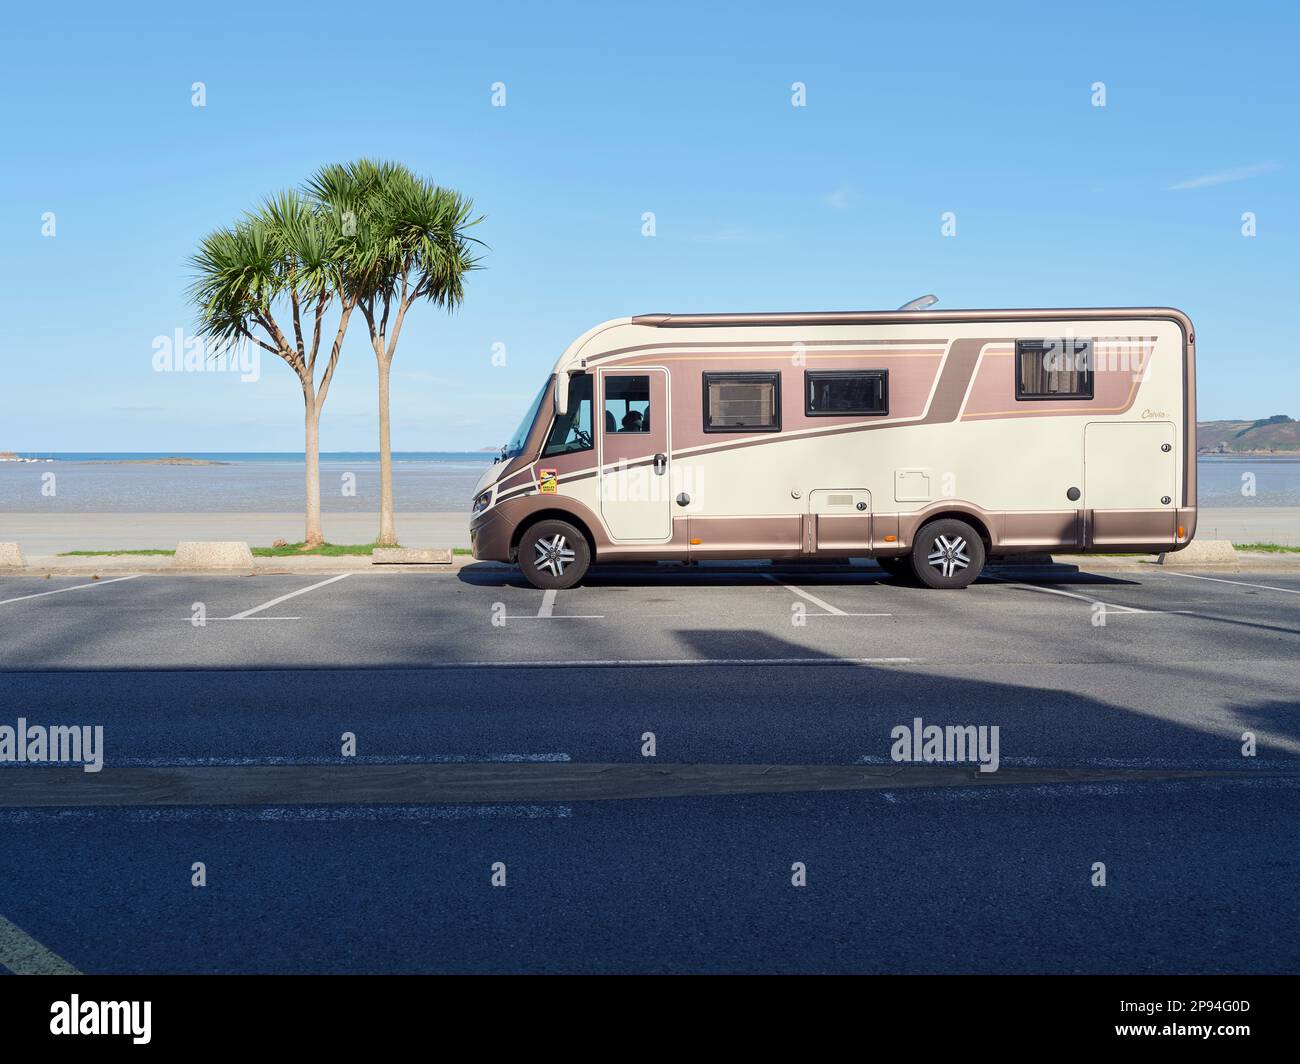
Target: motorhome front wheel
point(553, 554)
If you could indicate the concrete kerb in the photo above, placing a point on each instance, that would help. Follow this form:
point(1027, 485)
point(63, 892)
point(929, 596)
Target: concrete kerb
point(412, 556)
point(199, 556)
point(11, 557)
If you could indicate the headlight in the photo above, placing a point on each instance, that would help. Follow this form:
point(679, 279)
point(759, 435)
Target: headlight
point(483, 502)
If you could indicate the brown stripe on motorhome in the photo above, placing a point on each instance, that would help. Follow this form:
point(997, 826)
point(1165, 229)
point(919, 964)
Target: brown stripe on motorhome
point(995, 381)
point(911, 380)
point(944, 405)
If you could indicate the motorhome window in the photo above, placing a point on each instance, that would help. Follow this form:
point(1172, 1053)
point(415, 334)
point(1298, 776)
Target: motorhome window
point(742, 402)
point(627, 404)
point(515, 446)
point(572, 431)
point(832, 392)
point(1054, 369)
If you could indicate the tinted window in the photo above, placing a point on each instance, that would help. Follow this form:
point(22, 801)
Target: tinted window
point(846, 392)
point(742, 402)
point(1053, 369)
point(627, 404)
point(572, 431)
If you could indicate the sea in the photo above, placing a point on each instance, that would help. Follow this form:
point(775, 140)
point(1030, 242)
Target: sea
point(237, 482)
point(423, 481)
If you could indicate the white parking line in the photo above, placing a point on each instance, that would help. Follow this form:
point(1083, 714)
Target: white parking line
point(284, 598)
point(562, 617)
point(210, 620)
point(1110, 606)
point(76, 587)
point(833, 611)
point(1220, 580)
point(23, 955)
point(546, 612)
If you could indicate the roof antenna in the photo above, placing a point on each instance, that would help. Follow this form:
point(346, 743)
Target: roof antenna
point(920, 303)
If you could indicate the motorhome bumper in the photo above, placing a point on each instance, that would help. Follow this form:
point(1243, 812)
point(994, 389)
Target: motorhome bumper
point(489, 537)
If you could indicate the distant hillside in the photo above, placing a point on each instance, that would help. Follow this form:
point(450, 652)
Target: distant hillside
point(1277, 433)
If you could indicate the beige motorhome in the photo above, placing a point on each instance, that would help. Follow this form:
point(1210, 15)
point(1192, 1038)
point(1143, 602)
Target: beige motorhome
point(927, 440)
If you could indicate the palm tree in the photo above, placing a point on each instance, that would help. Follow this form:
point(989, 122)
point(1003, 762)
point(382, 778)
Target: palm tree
point(283, 259)
point(407, 242)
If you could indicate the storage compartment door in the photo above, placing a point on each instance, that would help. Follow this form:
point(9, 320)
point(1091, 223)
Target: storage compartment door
point(843, 520)
point(1130, 480)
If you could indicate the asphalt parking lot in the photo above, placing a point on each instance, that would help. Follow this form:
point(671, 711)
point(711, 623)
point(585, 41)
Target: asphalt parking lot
point(495, 723)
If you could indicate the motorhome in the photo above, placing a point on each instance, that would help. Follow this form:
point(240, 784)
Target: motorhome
point(926, 440)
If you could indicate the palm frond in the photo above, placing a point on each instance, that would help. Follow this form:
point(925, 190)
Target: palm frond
point(403, 228)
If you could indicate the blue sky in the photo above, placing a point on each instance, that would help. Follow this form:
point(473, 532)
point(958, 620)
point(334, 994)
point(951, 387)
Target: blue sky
point(612, 111)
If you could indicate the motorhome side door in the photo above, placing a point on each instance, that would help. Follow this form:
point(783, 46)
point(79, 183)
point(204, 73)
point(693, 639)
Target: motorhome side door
point(635, 440)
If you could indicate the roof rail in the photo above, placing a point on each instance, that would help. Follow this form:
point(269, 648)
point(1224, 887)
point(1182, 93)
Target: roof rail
point(865, 317)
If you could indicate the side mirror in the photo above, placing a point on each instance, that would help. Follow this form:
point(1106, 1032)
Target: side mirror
point(562, 393)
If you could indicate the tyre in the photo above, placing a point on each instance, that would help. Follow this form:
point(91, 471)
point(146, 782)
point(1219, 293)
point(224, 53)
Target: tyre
point(553, 555)
point(948, 554)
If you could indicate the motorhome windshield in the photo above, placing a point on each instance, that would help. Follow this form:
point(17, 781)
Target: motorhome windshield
point(516, 444)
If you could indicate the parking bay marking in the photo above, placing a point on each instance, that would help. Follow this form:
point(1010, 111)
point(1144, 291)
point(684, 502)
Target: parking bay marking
point(23, 955)
point(831, 611)
point(248, 614)
point(75, 587)
point(546, 612)
point(1238, 583)
point(1111, 607)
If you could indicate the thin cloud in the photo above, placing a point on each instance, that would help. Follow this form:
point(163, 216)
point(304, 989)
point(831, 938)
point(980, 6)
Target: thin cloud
point(1223, 177)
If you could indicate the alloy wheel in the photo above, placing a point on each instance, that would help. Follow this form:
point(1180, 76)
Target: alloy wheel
point(553, 555)
point(949, 554)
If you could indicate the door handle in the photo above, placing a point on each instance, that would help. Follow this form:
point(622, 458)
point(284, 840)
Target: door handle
point(661, 464)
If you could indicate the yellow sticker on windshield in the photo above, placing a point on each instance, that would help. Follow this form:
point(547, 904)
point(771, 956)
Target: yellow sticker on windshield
point(547, 482)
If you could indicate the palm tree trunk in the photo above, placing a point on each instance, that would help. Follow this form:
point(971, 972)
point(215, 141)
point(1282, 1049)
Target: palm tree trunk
point(314, 536)
point(387, 527)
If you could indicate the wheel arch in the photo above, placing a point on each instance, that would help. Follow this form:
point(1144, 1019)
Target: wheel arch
point(552, 514)
point(970, 516)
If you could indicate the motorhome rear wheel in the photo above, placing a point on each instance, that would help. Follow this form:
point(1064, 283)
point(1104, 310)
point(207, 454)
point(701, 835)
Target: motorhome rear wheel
point(948, 554)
